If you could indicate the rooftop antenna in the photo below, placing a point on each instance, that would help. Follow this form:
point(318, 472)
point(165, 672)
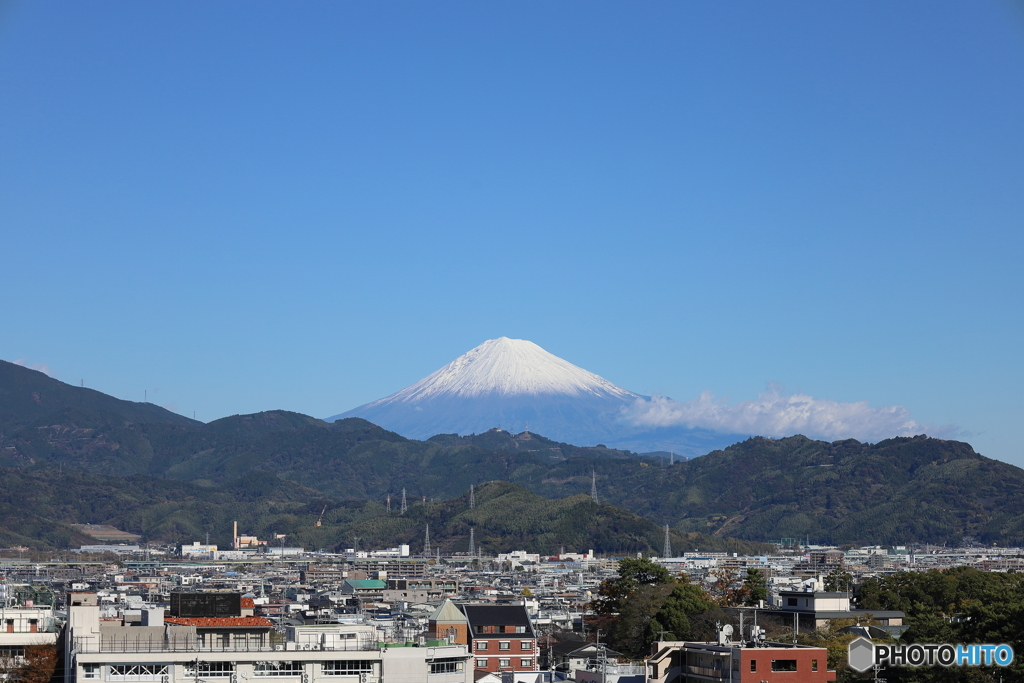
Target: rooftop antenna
point(472, 498)
point(426, 542)
point(405, 506)
point(472, 545)
point(667, 552)
point(593, 485)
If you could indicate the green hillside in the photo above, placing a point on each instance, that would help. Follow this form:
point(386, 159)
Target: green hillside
point(897, 491)
point(28, 395)
point(38, 507)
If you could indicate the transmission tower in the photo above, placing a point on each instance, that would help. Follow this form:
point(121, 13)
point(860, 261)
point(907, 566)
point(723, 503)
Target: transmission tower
point(389, 503)
point(472, 545)
point(668, 544)
point(472, 498)
point(593, 485)
point(426, 543)
point(405, 505)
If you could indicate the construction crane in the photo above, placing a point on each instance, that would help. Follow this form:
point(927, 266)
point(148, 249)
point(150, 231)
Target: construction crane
point(320, 519)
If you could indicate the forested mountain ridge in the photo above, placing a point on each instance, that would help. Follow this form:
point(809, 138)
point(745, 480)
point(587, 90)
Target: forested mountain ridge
point(35, 511)
point(896, 491)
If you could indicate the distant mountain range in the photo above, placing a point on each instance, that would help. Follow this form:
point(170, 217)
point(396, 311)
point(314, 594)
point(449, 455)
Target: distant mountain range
point(178, 476)
point(516, 385)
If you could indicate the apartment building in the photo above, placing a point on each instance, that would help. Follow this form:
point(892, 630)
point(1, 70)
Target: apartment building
point(501, 637)
point(186, 649)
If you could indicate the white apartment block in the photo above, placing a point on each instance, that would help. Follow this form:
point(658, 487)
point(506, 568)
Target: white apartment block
point(237, 649)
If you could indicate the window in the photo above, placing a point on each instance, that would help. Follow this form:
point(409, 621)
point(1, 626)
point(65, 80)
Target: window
point(91, 671)
point(814, 665)
point(136, 672)
point(12, 651)
point(504, 645)
point(526, 663)
point(481, 663)
point(753, 665)
point(783, 665)
point(347, 667)
point(791, 602)
point(481, 644)
point(208, 670)
point(526, 645)
point(277, 668)
point(446, 665)
point(503, 664)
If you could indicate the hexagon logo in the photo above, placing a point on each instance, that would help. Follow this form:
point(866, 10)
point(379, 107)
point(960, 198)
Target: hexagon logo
point(861, 654)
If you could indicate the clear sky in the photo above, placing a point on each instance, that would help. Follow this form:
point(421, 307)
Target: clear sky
point(243, 206)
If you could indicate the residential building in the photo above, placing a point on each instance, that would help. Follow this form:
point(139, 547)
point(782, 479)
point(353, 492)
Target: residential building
point(765, 662)
point(501, 637)
point(184, 649)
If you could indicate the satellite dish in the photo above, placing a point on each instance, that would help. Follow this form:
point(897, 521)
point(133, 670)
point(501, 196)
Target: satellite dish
point(727, 630)
point(725, 635)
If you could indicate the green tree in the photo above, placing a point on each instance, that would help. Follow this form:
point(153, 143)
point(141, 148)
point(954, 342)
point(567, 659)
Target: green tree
point(755, 587)
point(674, 616)
point(633, 573)
point(838, 579)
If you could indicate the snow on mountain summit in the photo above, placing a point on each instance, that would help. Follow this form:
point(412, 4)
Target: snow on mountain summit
point(509, 367)
point(515, 384)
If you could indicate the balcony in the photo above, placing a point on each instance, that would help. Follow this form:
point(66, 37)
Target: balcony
point(192, 644)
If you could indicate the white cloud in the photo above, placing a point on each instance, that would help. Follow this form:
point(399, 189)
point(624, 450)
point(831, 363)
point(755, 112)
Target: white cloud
point(774, 413)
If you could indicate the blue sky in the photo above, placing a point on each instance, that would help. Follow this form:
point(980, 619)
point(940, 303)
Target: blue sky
point(244, 206)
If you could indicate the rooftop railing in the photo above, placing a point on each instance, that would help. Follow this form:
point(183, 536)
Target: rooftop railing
point(191, 644)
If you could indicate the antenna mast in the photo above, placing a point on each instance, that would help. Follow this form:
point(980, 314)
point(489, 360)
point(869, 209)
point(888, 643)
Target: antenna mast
point(593, 485)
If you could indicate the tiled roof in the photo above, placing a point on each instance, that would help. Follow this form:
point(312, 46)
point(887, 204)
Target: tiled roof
point(248, 603)
point(220, 622)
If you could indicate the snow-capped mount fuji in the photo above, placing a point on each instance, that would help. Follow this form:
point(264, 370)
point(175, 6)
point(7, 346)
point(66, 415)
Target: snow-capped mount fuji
point(515, 384)
point(509, 367)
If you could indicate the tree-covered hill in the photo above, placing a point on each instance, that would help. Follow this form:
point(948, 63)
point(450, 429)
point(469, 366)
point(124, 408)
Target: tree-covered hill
point(27, 395)
point(37, 509)
point(897, 491)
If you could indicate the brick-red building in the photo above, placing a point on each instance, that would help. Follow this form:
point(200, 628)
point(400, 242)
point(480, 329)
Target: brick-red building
point(768, 662)
point(501, 638)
